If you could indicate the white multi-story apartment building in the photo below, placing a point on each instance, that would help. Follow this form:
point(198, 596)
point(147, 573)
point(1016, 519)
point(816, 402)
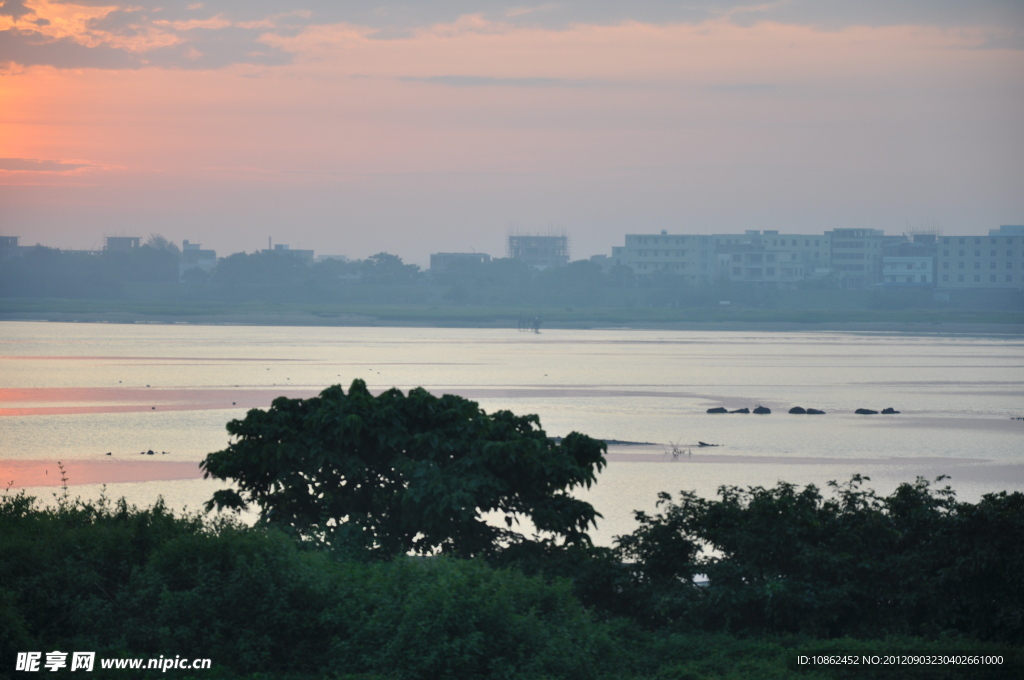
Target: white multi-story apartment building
point(859, 258)
point(770, 256)
point(856, 256)
point(908, 270)
point(993, 261)
point(690, 257)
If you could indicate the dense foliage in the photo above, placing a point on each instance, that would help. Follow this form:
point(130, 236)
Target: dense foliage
point(131, 583)
point(128, 582)
point(397, 473)
point(790, 560)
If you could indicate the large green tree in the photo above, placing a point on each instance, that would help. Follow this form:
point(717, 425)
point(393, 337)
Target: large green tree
point(397, 473)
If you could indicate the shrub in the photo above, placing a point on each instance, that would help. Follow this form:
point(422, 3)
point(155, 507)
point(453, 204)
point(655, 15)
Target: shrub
point(789, 560)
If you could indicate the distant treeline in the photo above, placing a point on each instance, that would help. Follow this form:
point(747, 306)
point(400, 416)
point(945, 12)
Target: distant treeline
point(153, 272)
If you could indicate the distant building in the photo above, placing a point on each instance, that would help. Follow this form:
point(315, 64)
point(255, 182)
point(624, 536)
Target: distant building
point(284, 250)
point(539, 252)
point(194, 257)
point(9, 248)
point(441, 261)
point(856, 256)
point(993, 261)
point(756, 264)
point(122, 244)
point(908, 271)
point(602, 261)
point(920, 244)
point(771, 257)
point(692, 258)
point(909, 263)
point(326, 258)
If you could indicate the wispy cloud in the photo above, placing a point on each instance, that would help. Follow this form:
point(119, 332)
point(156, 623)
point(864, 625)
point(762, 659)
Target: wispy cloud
point(491, 81)
point(523, 11)
point(1002, 40)
point(742, 88)
point(41, 165)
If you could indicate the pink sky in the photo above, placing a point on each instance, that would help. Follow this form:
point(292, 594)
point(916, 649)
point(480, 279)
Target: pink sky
point(442, 130)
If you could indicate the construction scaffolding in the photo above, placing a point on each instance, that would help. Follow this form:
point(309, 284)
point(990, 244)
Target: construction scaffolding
point(537, 251)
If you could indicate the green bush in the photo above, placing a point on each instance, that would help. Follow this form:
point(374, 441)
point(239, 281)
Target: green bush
point(126, 582)
point(917, 562)
point(135, 583)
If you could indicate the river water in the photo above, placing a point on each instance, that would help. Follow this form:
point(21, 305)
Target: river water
point(76, 392)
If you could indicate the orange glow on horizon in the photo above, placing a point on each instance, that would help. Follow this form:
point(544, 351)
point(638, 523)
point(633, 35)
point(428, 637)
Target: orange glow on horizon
point(336, 116)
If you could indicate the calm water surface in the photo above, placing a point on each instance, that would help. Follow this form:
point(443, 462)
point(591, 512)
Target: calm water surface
point(73, 392)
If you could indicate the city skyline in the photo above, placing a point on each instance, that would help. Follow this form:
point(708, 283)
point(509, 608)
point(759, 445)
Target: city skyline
point(441, 127)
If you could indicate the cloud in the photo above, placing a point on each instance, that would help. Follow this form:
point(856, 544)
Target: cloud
point(1003, 40)
point(32, 48)
point(201, 48)
point(742, 88)
point(184, 34)
point(209, 48)
point(485, 81)
point(410, 15)
point(14, 9)
point(839, 14)
point(40, 165)
point(120, 22)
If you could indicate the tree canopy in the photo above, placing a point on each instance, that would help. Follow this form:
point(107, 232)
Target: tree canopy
point(397, 473)
point(785, 559)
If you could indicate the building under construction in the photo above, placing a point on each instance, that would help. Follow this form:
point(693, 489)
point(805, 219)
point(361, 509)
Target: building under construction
point(540, 252)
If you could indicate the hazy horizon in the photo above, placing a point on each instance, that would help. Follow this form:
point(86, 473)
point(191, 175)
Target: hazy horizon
point(441, 126)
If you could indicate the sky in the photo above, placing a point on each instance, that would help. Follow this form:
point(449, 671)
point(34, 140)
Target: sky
point(352, 128)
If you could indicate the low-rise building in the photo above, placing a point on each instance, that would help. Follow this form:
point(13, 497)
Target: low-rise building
point(282, 249)
point(194, 257)
point(9, 248)
point(121, 244)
